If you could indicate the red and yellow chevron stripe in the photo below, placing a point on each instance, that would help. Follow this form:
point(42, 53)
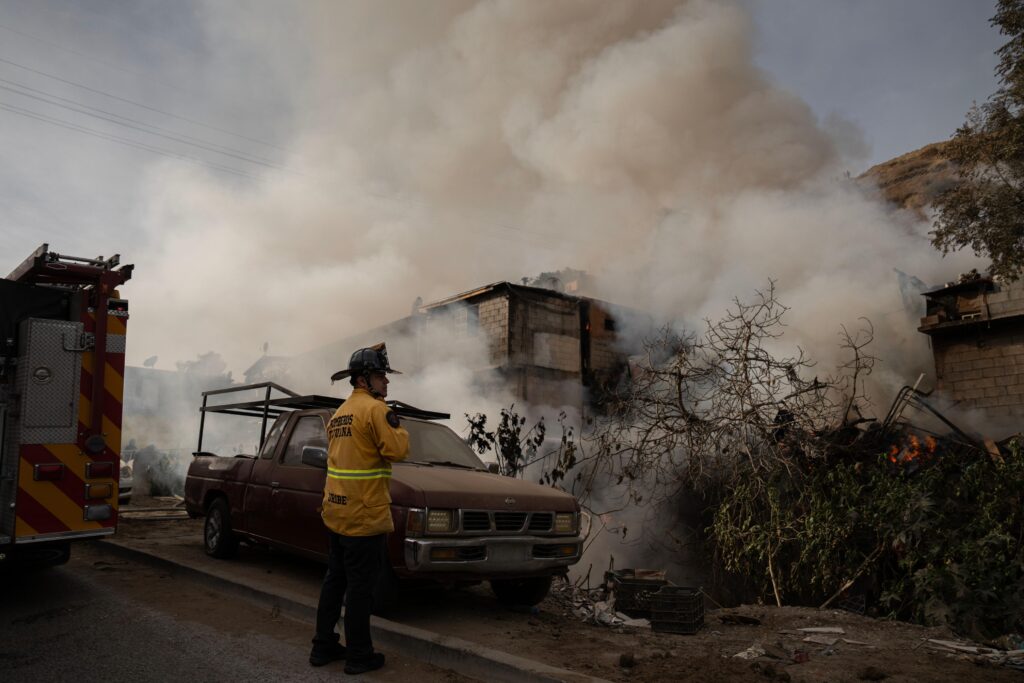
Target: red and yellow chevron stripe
point(58, 507)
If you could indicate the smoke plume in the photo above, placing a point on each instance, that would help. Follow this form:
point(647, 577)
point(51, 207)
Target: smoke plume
point(440, 146)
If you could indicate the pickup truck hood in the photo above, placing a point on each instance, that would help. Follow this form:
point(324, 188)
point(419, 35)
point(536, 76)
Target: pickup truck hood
point(452, 487)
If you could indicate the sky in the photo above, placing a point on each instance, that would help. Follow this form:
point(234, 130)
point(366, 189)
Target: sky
point(220, 146)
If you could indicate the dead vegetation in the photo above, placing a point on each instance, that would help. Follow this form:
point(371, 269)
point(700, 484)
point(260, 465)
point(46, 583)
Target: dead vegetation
point(765, 466)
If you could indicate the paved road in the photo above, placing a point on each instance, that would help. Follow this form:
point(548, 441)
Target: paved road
point(102, 618)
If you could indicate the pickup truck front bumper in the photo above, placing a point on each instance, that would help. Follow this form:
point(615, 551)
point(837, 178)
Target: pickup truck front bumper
point(492, 555)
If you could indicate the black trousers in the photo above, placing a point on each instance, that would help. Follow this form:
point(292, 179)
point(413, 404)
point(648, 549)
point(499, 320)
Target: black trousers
point(352, 569)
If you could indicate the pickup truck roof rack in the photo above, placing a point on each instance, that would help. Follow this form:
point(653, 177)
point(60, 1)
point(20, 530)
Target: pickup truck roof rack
point(268, 407)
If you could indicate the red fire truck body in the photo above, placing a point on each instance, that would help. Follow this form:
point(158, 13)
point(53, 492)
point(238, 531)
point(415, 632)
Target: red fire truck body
point(62, 345)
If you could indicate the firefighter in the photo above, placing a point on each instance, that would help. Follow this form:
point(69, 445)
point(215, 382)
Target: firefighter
point(365, 437)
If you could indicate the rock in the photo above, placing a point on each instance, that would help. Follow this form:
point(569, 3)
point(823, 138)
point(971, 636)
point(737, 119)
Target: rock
point(627, 660)
point(872, 673)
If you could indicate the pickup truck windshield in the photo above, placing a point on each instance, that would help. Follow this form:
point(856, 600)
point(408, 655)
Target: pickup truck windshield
point(434, 443)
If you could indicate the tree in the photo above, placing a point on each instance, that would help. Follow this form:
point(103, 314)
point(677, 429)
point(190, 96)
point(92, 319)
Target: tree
point(985, 209)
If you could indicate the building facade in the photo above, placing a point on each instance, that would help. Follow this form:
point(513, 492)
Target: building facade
point(976, 328)
point(546, 347)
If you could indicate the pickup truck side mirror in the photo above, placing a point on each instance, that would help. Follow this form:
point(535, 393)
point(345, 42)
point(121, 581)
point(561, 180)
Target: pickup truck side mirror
point(314, 456)
point(492, 467)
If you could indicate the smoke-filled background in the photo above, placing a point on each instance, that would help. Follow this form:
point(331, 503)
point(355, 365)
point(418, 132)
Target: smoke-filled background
point(459, 143)
point(371, 153)
point(420, 149)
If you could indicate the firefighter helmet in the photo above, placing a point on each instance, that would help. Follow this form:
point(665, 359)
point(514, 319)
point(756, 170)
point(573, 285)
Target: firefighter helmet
point(363, 361)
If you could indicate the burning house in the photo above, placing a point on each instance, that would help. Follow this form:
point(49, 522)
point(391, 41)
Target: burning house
point(976, 326)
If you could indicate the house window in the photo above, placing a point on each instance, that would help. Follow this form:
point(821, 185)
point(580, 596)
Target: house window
point(609, 323)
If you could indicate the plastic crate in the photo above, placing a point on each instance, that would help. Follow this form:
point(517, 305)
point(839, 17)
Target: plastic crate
point(677, 609)
point(632, 594)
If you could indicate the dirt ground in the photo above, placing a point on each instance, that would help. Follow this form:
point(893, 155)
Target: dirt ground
point(555, 633)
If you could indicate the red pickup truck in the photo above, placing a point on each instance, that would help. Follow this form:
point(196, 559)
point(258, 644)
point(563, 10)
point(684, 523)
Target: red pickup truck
point(455, 519)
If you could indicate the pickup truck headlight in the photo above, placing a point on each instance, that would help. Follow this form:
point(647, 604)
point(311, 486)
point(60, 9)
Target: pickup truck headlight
point(565, 522)
point(439, 521)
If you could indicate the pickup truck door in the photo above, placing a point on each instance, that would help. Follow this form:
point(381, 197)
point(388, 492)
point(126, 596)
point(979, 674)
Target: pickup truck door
point(256, 507)
point(298, 496)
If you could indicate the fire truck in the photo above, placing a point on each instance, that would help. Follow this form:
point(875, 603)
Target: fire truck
point(62, 345)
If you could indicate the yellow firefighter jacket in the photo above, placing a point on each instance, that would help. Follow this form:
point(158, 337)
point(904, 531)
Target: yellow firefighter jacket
point(365, 438)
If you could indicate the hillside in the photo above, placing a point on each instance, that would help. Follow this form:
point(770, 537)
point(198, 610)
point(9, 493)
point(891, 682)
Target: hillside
point(913, 180)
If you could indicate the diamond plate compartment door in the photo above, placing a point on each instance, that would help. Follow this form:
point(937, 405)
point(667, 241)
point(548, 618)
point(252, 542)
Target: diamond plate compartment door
point(49, 373)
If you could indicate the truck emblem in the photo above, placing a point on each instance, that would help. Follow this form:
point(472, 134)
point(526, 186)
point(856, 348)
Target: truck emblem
point(42, 374)
point(510, 501)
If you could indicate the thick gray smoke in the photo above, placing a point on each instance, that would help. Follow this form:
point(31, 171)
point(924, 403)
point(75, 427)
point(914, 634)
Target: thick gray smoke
point(441, 146)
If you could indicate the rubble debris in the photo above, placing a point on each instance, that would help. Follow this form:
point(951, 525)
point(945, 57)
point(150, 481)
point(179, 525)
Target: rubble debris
point(979, 654)
point(593, 606)
point(627, 660)
point(752, 652)
point(799, 657)
point(823, 629)
point(821, 640)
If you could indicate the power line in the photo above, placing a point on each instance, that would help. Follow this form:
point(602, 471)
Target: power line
point(28, 113)
point(137, 104)
point(141, 125)
point(91, 58)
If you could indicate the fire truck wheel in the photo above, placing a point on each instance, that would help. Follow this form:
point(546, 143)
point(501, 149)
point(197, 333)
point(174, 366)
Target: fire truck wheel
point(218, 537)
point(528, 591)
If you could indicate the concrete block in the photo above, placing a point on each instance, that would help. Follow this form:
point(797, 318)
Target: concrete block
point(998, 297)
point(1006, 379)
point(1016, 388)
point(995, 391)
point(977, 383)
point(983, 363)
point(997, 371)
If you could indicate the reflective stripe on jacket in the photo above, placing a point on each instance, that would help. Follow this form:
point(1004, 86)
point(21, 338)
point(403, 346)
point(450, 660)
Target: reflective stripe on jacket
point(362, 447)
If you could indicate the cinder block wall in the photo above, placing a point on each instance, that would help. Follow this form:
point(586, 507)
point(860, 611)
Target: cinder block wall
point(979, 362)
point(493, 321)
point(983, 368)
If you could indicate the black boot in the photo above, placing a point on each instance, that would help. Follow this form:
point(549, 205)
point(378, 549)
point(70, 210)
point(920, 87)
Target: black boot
point(374, 662)
point(325, 655)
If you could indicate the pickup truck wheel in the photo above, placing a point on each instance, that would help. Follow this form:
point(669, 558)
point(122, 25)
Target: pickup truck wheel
point(528, 591)
point(218, 536)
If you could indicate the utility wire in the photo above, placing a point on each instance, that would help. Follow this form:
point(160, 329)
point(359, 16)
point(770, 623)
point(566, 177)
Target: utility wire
point(137, 104)
point(141, 126)
point(28, 113)
point(109, 65)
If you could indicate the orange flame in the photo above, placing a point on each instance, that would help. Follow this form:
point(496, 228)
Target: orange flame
point(912, 449)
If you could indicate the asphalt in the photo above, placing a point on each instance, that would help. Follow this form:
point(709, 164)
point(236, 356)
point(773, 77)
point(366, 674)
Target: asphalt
point(462, 656)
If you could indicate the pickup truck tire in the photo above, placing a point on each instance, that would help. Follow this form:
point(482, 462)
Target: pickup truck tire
point(528, 591)
point(218, 537)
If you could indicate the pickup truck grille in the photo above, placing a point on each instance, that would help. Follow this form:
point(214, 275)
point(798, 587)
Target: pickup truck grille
point(502, 521)
point(541, 521)
point(476, 520)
